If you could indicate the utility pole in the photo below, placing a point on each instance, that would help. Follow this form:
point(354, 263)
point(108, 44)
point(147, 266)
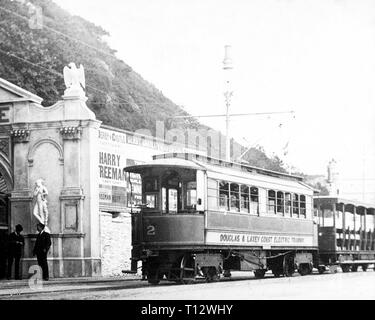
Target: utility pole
point(228, 93)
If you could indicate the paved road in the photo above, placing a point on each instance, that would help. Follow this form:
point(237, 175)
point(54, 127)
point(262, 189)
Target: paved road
point(356, 285)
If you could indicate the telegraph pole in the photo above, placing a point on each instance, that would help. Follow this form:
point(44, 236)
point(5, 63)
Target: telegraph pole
point(228, 93)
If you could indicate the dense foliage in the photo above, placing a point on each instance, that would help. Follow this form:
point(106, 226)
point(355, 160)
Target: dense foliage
point(33, 58)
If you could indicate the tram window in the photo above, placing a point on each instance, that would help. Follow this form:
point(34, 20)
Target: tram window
point(191, 195)
point(295, 205)
point(151, 201)
point(164, 200)
point(303, 206)
point(212, 194)
point(349, 220)
point(370, 223)
point(254, 194)
point(224, 195)
point(172, 200)
point(254, 200)
point(280, 202)
point(150, 197)
point(357, 219)
point(245, 198)
point(316, 215)
point(328, 218)
point(288, 204)
point(234, 197)
point(151, 185)
point(271, 201)
point(171, 189)
point(338, 219)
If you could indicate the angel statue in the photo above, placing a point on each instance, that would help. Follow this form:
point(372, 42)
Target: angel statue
point(74, 79)
point(40, 210)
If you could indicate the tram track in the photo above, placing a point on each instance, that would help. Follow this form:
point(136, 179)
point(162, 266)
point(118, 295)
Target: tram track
point(98, 287)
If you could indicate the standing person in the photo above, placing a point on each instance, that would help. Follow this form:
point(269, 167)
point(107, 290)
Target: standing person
point(42, 245)
point(15, 250)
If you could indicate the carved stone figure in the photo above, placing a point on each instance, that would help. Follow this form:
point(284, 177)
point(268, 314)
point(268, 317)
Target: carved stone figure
point(40, 210)
point(74, 79)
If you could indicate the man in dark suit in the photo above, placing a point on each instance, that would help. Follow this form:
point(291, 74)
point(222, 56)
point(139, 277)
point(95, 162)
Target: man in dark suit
point(15, 250)
point(42, 245)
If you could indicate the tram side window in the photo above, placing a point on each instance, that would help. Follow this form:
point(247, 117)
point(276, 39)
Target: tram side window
point(172, 200)
point(295, 205)
point(212, 194)
point(254, 200)
point(245, 203)
point(303, 206)
point(224, 195)
point(164, 200)
point(280, 202)
point(191, 195)
point(370, 222)
point(288, 204)
point(234, 197)
point(349, 219)
point(271, 201)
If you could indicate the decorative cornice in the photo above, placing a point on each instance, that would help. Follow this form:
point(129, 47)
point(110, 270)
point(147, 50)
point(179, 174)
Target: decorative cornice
point(20, 135)
point(71, 133)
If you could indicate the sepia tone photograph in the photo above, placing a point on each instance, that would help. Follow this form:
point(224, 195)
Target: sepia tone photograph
point(193, 153)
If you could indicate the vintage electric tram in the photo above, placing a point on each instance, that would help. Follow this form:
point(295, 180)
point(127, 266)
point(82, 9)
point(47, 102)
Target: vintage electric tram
point(346, 233)
point(202, 217)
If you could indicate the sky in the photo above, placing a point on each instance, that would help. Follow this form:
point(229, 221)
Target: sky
point(315, 57)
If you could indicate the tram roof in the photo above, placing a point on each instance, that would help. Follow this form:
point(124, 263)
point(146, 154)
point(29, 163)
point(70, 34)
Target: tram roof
point(342, 200)
point(170, 163)
point(200, 162)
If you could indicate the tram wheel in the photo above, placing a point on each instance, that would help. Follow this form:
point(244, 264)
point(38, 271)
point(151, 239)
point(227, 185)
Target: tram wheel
point(276, 273)
point(354, 268)
point(187, 269)
point(288, 265)
point(259, 273)
point(227, 274)
point(321, 269)
point(345, 268)
point(304, 269)
point(153, 276)
point(364, 267)
point(210, 274)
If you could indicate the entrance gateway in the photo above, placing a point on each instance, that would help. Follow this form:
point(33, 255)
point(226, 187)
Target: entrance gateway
point(80, 162)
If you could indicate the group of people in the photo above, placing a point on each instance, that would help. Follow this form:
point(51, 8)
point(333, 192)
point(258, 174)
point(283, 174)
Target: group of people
point(15, 248)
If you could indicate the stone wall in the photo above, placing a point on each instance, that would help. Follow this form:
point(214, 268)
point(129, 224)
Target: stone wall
point(115, 238)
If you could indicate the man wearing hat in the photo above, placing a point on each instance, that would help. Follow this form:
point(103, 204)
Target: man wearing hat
point(42, 245)
point(15, 250)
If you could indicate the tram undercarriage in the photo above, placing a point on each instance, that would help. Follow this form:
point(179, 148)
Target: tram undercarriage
point(210, 265)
